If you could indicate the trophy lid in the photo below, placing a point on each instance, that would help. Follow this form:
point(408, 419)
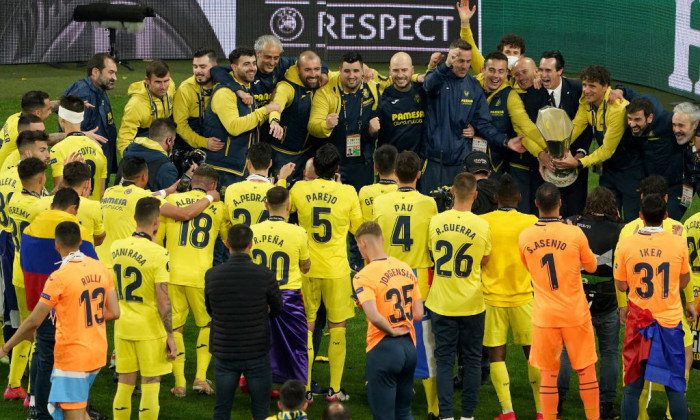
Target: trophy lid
point(554, 124)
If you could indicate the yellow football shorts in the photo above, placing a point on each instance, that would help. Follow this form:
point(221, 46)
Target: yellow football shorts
point(149, 357)
point(184, 298)
point(335, 293)
point(500, 319)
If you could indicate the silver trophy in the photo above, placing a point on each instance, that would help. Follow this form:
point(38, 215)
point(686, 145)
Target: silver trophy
point(556, 128)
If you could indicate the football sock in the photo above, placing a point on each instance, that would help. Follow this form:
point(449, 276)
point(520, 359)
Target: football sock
point(549, 394)
point(149, 407)
point(20, 357)
point(29, 366)
point(533, 374)
point(430, 386)
point(203, 354)
point(588, 388)
point(501, 383)
point(179, 362)
point(310, 353)
point(644, 401)
point(336, 357)
point(121, 408)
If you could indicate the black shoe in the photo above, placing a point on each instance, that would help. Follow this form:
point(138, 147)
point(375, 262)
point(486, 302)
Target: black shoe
point(94, 414)
point(32, 413)
point(432, 416)
point(560, 407)
point(318, 390)
point(608, 411)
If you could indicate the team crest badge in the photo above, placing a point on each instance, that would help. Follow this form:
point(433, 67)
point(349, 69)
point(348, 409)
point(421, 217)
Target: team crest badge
point(365, 93)
point(127, 191)
point(498, 103)
point(466, 93)
point(416, 98)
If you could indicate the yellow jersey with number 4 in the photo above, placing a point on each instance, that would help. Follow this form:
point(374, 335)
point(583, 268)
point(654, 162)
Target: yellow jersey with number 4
point(139, 265)
point(327, 210)
point(404, 216)
point(191, 242)
point(281, 246)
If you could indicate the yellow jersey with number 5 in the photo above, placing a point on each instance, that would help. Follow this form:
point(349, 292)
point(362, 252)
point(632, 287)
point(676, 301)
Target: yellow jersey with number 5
point(139, 265)
point(327, 210)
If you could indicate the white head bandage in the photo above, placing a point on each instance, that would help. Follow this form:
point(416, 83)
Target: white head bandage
point(70, 116)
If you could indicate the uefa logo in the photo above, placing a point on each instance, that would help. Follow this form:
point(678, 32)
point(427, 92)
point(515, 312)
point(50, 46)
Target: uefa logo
point(287, 23)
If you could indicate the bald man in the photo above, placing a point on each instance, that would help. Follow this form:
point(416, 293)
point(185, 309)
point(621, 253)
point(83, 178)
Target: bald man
point(401, 107)
point(288, 135)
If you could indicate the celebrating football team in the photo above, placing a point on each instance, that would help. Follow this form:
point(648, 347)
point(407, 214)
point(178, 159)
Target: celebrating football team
point(275, 196)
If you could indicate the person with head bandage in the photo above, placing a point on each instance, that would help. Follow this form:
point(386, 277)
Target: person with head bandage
point(77, 146)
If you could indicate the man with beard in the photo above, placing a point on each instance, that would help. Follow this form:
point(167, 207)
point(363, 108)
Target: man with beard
point(101, 76)
point(192, 98)
point(288, 135)
point(231, 120)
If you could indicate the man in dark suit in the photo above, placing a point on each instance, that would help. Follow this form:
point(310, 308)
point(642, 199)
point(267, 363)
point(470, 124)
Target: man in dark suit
point(238, 295)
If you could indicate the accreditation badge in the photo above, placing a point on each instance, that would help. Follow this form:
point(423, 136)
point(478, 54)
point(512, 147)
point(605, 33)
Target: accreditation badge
point(686, 196)
point(479, 145)
point(352, 145)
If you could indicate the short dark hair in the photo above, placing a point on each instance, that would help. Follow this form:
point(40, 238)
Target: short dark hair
point(64, 198)
point(653, 184)
point(240, 52)
point(596, 74)
point(239, 237)
point(29, 168)
point(508, 191)
point(33, 100)
point(75, 173)
point(326, 161)
point(495, 55)
point(293, 395)
point(134, 166)
point(351, 57)
point(72, 103)
point(547, 196)
point(68, 234)
point(640, 104)
point(464, 184)
point(98, 61)
point(653, 209)
point(157, 68)
point(511, 39)
point(210, 53)
point(259, 155)
point(26, 139)
point(162, 128)
point(461, 44)
point(26, 119)
point(369, 228)
point(556, 55)
point(407, 166)
point(336, 411)
point(601, 201)
point(205, 172)
point(147, 210)
point(277, 197)
point(385, 159)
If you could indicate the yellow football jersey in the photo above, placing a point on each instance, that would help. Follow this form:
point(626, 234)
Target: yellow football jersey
point(404, 216)
point(458, 241)
point(21, 211)
point(89, 214)
point(191, 243)
point(245, 202)
point(118, 208)
point(139, 264)
point(8, 136)
point(280, 246)
point(89, 150)
point(11, 161)
point(369, 192)
point(504, 280)
point(691, 229)
point(327, 210)
point(10, 185)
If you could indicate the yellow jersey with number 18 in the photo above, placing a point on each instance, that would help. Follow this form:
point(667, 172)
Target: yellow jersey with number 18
point(327, 210)
point(139, 265)
point(191, 242)
point(280, 246)
point(458, 240)
point(404, 216)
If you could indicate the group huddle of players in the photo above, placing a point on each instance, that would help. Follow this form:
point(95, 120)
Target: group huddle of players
point(355, 156)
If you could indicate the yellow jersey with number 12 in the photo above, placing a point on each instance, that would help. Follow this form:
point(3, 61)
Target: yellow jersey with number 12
point(191, 242)
point(139, 265)
point(280, 246)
